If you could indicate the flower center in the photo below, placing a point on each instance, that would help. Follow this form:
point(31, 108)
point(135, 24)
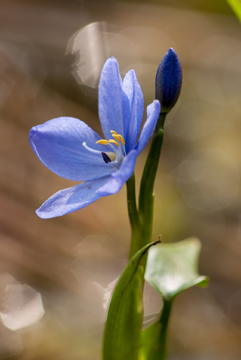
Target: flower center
point(117, 155)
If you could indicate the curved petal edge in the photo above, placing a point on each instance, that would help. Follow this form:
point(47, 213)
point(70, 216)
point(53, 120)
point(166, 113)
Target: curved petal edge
point(71, 199)
point(153, 112)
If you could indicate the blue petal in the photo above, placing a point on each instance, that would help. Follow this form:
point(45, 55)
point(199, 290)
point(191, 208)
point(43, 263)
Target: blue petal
point(134, 93)
point(111, 99)
point(58, 144)
point(153, 111)
point(71, 199)
point(118, 178)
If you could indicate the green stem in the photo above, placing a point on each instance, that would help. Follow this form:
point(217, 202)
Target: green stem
point(146, 196)
point(154, 338)
point(133, 215)
point(141, 220)
point(164, 320)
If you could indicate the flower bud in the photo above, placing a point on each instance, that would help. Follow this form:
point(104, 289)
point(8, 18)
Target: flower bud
point(168, 81)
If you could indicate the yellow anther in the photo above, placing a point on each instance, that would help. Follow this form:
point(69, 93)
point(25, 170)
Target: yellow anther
point(113, 142)
point(122, 140)
point(116, 137)
point(102, 141)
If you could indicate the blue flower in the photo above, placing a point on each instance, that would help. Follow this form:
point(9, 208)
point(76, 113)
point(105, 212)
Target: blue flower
point(71, 149)
point(168, 80)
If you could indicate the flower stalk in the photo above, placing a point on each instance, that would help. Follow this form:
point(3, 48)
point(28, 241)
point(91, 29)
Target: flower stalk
point(141, 227)
point(164, 321)
point(168, 87)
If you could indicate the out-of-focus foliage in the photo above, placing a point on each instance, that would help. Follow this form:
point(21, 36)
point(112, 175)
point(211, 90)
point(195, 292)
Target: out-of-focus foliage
point(212, 6)
point(236, 6)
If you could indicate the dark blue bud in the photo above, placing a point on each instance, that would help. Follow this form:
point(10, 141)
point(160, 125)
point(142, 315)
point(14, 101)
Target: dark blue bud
point(168, 81)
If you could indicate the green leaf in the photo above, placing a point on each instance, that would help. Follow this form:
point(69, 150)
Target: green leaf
point(124, 319)
point(172, 268)
point(153, 344)
point(236, 6)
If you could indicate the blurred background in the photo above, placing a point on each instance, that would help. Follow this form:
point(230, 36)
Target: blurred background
point(55, 274)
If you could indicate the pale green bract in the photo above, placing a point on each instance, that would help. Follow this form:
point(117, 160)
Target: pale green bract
point(172, 268)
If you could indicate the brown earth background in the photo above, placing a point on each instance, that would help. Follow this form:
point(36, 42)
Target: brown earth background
point(69, 261)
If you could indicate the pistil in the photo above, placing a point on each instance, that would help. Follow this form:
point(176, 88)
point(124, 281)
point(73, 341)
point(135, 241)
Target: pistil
point(108, 156)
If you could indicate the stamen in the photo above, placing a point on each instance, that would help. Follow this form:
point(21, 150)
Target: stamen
point(119, 138)
point(116, 137)
point(102, 141)
point(113, 142)
point(122, 140)
point(105, 158)
point(118, 153)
